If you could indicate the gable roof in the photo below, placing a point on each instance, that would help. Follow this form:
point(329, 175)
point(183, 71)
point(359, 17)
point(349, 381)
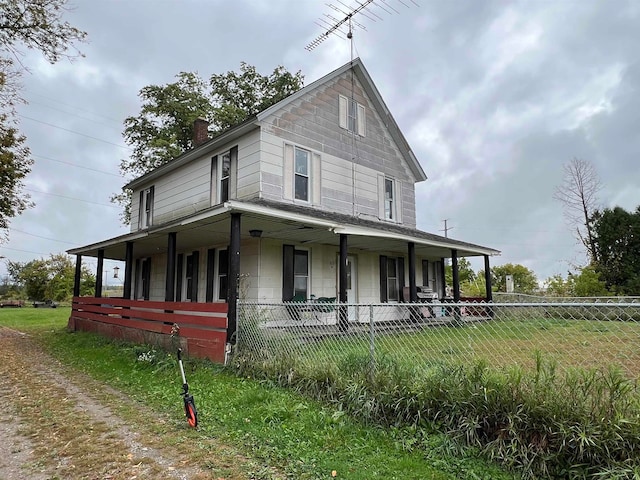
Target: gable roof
point(253, 122)
point(374, 96)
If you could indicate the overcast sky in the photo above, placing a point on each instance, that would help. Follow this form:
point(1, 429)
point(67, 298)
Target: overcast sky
point(493, 97)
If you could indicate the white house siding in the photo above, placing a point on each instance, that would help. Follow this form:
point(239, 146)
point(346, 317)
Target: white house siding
point(271, 166)
point(135, 211)
point(182, 192)
point(187, 189)
point(248, 176)
point(312, 122)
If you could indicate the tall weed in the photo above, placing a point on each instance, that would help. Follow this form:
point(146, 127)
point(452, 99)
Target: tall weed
point(543, 424)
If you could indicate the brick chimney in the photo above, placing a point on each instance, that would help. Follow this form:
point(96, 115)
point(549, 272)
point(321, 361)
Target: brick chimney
point(200, 131)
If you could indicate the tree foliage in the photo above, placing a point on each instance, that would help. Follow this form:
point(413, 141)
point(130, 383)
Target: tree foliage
point(585, 283)
point(34, 25)
point(524, 279)
point(465, 272)
point(15, 165)
point(50, 279)
point(579, 196)
point(617, 238)
point(163, 129)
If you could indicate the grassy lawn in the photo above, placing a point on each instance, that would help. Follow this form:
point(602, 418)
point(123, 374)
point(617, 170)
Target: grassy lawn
point(277, 428)
point(501, 343)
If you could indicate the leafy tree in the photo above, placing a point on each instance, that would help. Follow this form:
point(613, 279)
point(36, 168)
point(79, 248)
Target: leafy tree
point(588, 283)
point(30, 24)
point(52, 278)
point(524, 280)
point(617, 239)
point(32, 276)
point(557, 286)
point(475, 287)
point(465, 272)
point(163, 129)
point(236, 97)
point(15, 165)
point(579, 195)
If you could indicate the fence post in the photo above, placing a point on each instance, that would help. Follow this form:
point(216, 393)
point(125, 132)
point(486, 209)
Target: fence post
point(372, 349)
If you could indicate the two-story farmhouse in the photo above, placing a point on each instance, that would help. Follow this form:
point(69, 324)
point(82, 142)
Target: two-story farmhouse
point(314, 196)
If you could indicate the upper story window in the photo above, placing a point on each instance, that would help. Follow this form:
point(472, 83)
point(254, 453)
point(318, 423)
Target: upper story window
point(222, 166)
point(352, 115)
point(389, 199)
point(145, 217)
point(301, 174)
point(225, 170)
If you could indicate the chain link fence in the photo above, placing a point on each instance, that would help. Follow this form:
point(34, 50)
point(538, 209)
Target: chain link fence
point(598, 333)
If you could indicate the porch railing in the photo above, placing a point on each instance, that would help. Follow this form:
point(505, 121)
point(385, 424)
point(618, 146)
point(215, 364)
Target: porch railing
point(199, 328)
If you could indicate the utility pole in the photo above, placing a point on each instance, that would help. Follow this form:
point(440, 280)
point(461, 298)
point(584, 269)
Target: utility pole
point(446, 228)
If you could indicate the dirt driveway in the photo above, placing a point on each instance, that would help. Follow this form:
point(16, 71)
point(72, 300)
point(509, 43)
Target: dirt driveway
point(58, 424)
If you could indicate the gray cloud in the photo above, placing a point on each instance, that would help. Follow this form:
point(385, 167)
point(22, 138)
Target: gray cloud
point(493, 97)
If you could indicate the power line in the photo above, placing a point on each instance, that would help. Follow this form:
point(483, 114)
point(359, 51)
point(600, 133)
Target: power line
point(73, 131)
point(25, 251)
point(70, 198)
point(73, 114)
point(78, 166)
point(114, 120)
point(39, 236)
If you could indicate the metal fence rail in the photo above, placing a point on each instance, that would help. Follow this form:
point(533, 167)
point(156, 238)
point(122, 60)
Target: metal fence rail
point(593, 334)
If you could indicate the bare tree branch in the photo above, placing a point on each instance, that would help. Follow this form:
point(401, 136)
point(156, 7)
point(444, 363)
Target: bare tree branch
point(579, 195)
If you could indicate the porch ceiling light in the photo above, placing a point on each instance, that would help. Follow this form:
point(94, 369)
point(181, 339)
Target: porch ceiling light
point(116, 269)
point(255, 233)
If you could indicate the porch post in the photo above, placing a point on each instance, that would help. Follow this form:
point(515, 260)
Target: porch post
point(413, 290)
point(234, 276)
point(343, 319)
point(128, 270)
point(456, 279)
point(98, 293)
point(487, 279)
point(78, 275)
point(169, 289)
point(456, 284)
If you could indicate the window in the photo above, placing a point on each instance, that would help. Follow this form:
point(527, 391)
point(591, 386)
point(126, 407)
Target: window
point(223, 273)
point(145, 218)
point(301, 274)
point(301, 174)
point(391, 279)
point(225, 169)
point(222, 165)
point(295, 273)
point(188, 276)
point(143, 276)
point(191, 276)
point(352, 115)
point(388, 199)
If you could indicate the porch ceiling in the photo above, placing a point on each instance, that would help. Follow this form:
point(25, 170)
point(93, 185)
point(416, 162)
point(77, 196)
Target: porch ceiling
point(212, 227)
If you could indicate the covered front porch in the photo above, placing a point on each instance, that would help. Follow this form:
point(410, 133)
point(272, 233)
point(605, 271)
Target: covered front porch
point(248, 250)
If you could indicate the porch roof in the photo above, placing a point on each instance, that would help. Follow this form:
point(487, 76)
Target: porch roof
point(291, 223)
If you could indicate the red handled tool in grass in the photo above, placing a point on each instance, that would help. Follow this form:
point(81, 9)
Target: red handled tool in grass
point(189, 404)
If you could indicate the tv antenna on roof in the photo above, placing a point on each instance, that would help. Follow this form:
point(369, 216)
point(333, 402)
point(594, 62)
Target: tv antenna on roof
point(334, 25)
